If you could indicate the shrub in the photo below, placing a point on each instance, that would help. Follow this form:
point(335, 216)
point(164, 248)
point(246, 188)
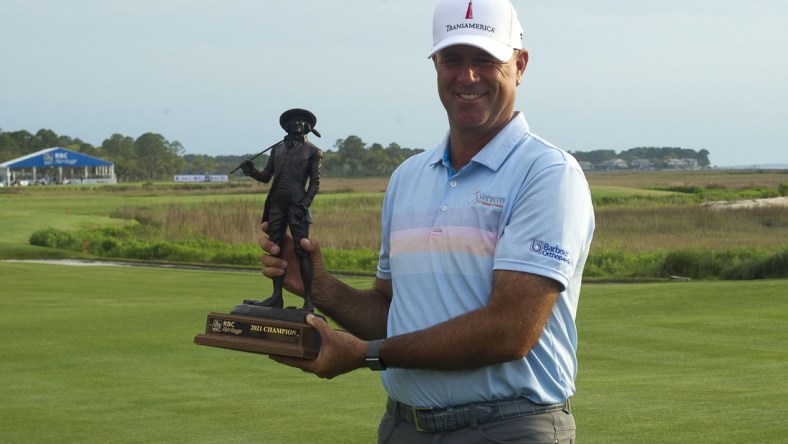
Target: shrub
point(363, 261)
point(698, 264)
point(685, 263)
point(771, 267)
point(239, 254)
point(688, 189)
point(54, 238)
point(775, 266)
point(614, 263)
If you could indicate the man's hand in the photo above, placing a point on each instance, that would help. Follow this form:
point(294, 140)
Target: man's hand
point(340, 352)
point(361, 312)
point(276, 261)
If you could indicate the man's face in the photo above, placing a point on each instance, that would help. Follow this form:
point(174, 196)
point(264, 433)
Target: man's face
point(478, 90)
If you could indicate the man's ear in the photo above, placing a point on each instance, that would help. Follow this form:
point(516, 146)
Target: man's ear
point(522, 62)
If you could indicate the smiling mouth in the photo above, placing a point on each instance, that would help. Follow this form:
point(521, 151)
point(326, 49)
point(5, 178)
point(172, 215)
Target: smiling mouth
point(466, 96)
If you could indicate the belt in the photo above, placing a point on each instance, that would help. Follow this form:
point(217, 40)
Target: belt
point(433, 420)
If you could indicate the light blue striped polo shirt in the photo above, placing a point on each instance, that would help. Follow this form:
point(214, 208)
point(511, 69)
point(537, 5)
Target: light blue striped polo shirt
point(521, 204)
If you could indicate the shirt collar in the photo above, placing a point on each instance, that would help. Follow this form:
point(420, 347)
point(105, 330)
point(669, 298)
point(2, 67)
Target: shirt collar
point(495, 152)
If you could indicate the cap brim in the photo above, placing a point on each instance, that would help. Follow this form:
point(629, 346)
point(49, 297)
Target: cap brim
point(491, 46)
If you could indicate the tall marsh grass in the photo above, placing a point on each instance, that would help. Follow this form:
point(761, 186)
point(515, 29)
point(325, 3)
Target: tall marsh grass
point(708, 179)
point(640, 232)
point(342, 221)
point(352, 221)
point(231, 222)
point(690, 227)
point(348, 221)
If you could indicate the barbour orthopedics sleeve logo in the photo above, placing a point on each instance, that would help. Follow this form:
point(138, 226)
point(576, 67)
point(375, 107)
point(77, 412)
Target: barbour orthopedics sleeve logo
point(550, 251)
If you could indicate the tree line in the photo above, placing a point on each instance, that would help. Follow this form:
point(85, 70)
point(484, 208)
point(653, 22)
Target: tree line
point(658, 156)
point(151, 157)
point(148, 157)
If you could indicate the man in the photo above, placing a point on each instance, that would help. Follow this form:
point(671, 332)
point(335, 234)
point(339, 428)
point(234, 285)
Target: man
point(484, 242)
point(292, 163)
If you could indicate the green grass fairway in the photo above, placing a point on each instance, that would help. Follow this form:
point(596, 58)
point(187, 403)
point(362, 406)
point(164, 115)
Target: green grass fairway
point(106, 354)
point(683, 362)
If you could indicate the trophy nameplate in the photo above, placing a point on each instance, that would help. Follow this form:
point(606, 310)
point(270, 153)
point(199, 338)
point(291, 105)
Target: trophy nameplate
point(279, 331)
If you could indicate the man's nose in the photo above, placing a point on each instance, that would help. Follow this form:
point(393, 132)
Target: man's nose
point(468, 73)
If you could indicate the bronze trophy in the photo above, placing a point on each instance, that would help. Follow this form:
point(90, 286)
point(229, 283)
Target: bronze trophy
point(265, 326)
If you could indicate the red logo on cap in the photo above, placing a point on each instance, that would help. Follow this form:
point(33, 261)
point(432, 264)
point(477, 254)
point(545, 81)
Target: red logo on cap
point(469, 13)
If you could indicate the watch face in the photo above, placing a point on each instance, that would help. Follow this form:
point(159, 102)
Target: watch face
point(374, 364)
point(373, 356)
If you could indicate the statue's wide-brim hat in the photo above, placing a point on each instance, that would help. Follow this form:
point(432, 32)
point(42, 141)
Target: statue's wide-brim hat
point(297, 112)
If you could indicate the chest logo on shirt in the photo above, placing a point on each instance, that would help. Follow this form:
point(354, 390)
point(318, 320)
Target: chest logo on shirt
point(487, 200)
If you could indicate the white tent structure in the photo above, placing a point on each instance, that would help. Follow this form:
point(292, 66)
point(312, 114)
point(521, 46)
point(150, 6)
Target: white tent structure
point(58, 165)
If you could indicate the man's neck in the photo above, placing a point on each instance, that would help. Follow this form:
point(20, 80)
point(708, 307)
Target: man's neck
point(464, 144)
point(464, 147)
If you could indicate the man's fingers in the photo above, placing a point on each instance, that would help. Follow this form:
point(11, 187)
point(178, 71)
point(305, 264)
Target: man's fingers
point(268, 246)
point(309, 245)
point(319, 323)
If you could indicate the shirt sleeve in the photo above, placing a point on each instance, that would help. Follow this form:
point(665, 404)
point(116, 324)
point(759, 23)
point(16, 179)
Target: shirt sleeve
point(549, 226)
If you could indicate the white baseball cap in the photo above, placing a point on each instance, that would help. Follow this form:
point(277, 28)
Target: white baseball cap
point(490, 25)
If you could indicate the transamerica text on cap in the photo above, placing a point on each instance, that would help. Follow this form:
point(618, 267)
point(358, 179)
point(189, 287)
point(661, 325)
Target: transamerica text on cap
point(470, 25)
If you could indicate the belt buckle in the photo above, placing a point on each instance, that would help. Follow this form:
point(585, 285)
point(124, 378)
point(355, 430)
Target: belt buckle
point(415, 411)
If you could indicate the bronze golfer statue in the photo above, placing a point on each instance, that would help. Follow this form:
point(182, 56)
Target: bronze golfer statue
point(294, 164)
point(265, 326)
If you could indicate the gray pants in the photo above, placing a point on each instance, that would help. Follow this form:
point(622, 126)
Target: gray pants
point(550, 427)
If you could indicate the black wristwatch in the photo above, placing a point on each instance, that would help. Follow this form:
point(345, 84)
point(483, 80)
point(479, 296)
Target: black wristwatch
point(373, 355)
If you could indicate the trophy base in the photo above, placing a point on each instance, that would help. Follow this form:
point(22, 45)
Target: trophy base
point(270, 331)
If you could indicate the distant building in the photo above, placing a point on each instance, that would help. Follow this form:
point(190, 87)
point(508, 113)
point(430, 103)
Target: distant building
point(682, 164)
point(57, 165)
point(586, 165)
point(642, 164)
point(614, 164)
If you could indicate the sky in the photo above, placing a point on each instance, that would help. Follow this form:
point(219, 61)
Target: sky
point(215, 75)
